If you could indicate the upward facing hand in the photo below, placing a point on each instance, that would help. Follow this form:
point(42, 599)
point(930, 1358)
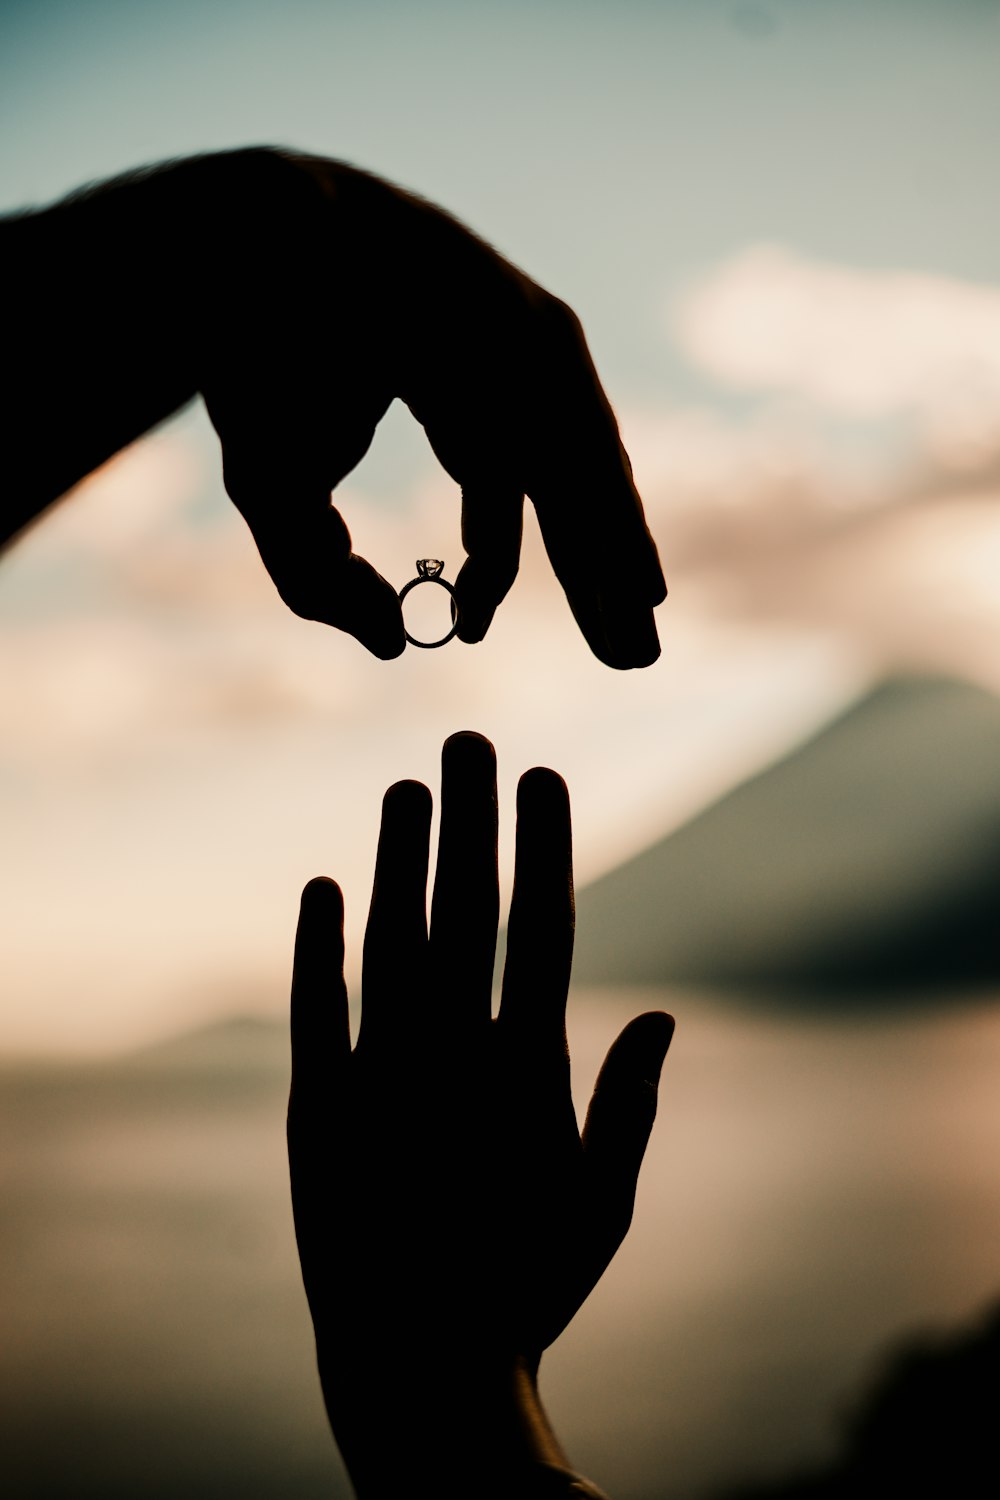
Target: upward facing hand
point(300, 296)
point(450, 1218)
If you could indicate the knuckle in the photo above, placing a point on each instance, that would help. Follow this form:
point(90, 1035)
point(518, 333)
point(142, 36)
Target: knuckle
point(563, 321)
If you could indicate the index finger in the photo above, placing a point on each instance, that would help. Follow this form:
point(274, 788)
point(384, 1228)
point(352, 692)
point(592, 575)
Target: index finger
point(305, 546)
point(466, 900)
point(287, 442)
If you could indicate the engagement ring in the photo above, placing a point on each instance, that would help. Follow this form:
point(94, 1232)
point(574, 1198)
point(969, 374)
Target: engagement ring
point(429, 570)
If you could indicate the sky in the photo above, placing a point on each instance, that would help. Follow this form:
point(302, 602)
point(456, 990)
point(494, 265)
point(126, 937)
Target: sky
point(780, 226)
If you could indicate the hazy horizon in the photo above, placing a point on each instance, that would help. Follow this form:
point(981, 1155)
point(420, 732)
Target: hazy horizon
point(815, 1195)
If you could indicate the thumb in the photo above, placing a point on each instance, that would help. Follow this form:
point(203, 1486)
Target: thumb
point(621, 1114)
point(309, 558)
point(280, 464)
point(305, 545)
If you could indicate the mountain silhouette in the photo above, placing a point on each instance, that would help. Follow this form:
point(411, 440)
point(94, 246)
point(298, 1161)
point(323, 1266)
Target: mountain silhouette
point(927, 1423)
point(867, 860)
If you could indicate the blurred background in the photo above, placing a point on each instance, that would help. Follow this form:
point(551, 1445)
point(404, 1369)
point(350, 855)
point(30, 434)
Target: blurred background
point(779, 223)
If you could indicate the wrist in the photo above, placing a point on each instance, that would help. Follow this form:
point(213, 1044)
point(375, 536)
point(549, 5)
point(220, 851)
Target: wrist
point(477, 1428)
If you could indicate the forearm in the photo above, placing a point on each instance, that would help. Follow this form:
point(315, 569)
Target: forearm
point(93, 355)
point(118, 300)
point(462, 1433)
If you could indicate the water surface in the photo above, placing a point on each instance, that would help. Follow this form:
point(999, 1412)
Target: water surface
point(816, 1189)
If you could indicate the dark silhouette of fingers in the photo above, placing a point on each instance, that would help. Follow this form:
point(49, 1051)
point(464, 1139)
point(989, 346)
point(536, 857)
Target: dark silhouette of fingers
point(492, 520)
point(588, 507)
point(366, 605)
point(312, 566)
point(466, 905)
point(621, 1114)
point(395, 951)
point(621, 633)
point(284, 453)
point(601, 556)
point(540, 929)
point(321, 1037)
point(472, 436)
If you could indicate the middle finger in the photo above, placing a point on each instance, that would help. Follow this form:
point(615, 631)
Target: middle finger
point(466, 903)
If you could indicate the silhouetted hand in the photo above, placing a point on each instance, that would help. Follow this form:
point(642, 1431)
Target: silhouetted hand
point(450, 1218)
point(300, 296)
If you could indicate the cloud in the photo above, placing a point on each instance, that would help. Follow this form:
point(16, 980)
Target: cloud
point(699, 470)
point(136, 496)
point(861, 345)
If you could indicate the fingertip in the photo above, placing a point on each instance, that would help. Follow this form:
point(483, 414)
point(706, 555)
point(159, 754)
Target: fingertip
point(407, 799)
point(544, 844)
point(629, 636)
point(658, 1023)
point(541, 775)
point(310, 561)
point(319, 950)
point(468, 783)
point(541, 786)
point(621, 633)
point(473, 625)
point(479, 591)
point(637, 638)
point(476, 606)
point(322, 894)
point(320, 1035)
point(654, 1032)
point(369, 609)
point(387, 646)
point(349, 596)
point(468, 747)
